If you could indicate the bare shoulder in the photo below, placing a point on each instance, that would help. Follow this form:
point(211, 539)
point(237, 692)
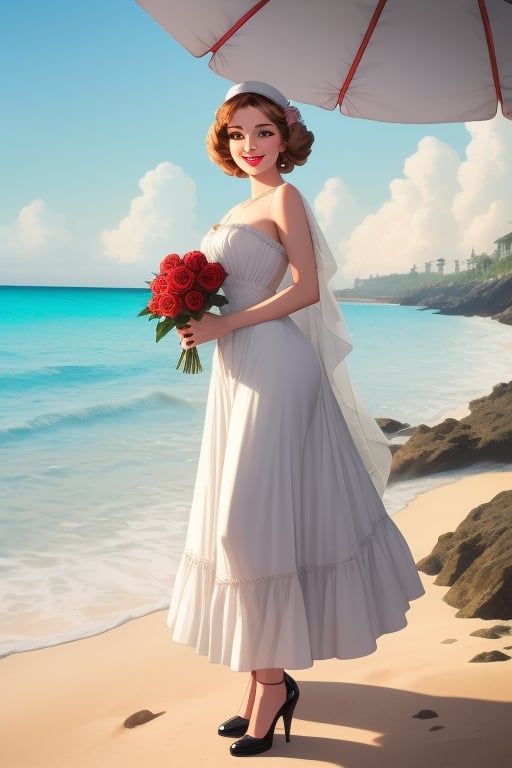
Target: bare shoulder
point(291, 222)
point(287, 201)
point(287, 193)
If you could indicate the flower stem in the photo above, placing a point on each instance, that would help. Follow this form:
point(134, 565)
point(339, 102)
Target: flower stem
point(189, 358)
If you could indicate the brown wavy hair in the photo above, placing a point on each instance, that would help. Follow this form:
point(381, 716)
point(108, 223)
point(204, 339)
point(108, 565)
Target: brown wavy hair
point(297, 138)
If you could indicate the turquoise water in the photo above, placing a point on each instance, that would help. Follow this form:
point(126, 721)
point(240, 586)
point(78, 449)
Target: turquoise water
point(99, 437)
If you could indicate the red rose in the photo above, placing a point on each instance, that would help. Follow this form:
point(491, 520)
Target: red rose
point(153, 305)
point(195, 260)
point(170, 261)
point(180, 279)
point(194, 301)
point(211, 277)
point(170, 305)
point(159, 285)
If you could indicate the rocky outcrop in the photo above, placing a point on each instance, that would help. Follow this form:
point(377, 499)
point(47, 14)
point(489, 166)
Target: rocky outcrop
point(391, 426)
point(475, 561)
point(141, 717)
point(491, 298)
point(486, 656)
point(484, 435)
point(493, 633)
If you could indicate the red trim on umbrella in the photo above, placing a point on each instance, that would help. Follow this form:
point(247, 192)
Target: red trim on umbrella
point(492, 52)
point(359, 55)
point(237, 26)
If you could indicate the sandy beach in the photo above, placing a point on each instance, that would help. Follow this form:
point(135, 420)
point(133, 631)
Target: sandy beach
point(65, 706)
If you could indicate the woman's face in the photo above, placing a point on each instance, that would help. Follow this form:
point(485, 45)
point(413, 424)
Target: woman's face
point(254, 141)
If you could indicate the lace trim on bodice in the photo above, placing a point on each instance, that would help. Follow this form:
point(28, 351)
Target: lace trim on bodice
point(257, 232)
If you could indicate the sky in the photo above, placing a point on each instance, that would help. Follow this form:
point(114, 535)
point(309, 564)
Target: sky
point(104, 170)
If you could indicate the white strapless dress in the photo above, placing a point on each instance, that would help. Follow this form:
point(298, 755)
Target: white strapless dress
point(290, 554)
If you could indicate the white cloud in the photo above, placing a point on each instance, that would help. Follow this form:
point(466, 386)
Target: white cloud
point(160, 219)
point(34, 229)
point(483, 206)
point(337, 210)
point(441, 207)
point(37, 249)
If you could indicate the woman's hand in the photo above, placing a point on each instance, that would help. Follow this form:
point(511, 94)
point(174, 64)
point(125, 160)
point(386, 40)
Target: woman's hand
point(197, 332)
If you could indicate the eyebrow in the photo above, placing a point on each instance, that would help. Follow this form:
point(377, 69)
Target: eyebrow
point(259, 125)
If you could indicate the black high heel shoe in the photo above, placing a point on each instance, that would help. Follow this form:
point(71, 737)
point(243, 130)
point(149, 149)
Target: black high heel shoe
point(237, 726)
point(234, 727)
point(250, 745)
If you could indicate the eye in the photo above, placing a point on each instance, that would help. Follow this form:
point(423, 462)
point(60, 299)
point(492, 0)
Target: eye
point(266, 133)
point(235, 136)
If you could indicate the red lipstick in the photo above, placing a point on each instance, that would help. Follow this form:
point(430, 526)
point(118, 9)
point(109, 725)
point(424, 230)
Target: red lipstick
point(253, 161)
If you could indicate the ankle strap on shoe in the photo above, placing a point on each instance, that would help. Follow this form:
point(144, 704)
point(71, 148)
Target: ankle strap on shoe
point(279, 682)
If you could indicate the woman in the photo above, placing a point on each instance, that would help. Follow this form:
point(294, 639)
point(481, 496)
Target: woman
point(290, 554)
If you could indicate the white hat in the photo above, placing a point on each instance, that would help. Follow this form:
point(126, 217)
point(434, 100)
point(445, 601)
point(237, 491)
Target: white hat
point(263, 89)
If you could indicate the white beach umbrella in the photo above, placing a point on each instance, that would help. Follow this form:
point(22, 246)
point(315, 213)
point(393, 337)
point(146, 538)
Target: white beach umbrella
point(401, 61)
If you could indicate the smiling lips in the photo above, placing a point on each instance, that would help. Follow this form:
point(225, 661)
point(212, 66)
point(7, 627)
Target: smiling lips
point(253, 161)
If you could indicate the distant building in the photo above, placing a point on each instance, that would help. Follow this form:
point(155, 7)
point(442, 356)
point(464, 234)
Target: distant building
point(504, 246)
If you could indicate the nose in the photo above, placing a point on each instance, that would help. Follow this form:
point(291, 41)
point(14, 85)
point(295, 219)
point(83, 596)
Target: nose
point(249, 143)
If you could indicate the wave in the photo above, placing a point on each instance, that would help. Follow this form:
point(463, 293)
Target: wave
point(64, 375)
point(15, 643)
point(95, 413)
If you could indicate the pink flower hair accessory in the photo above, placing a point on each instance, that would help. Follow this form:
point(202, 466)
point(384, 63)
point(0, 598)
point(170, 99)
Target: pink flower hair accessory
point(292, 115)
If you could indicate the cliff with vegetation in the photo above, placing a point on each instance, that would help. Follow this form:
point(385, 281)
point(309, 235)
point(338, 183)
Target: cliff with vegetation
point(485, 292)
point(490, 298)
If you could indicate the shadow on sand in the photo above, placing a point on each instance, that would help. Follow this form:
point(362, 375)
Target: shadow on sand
point(469, 733)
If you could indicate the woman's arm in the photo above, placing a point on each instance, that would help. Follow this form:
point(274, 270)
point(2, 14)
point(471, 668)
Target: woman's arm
point(292, 225)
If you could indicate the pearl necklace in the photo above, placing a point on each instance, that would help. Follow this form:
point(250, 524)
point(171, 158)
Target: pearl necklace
point(252, 200)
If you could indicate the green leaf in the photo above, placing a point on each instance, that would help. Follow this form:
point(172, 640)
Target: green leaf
point(144, 311)
point(163, 327)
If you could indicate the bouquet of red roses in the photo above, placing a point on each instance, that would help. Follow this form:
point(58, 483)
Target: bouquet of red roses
point(185, 288)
